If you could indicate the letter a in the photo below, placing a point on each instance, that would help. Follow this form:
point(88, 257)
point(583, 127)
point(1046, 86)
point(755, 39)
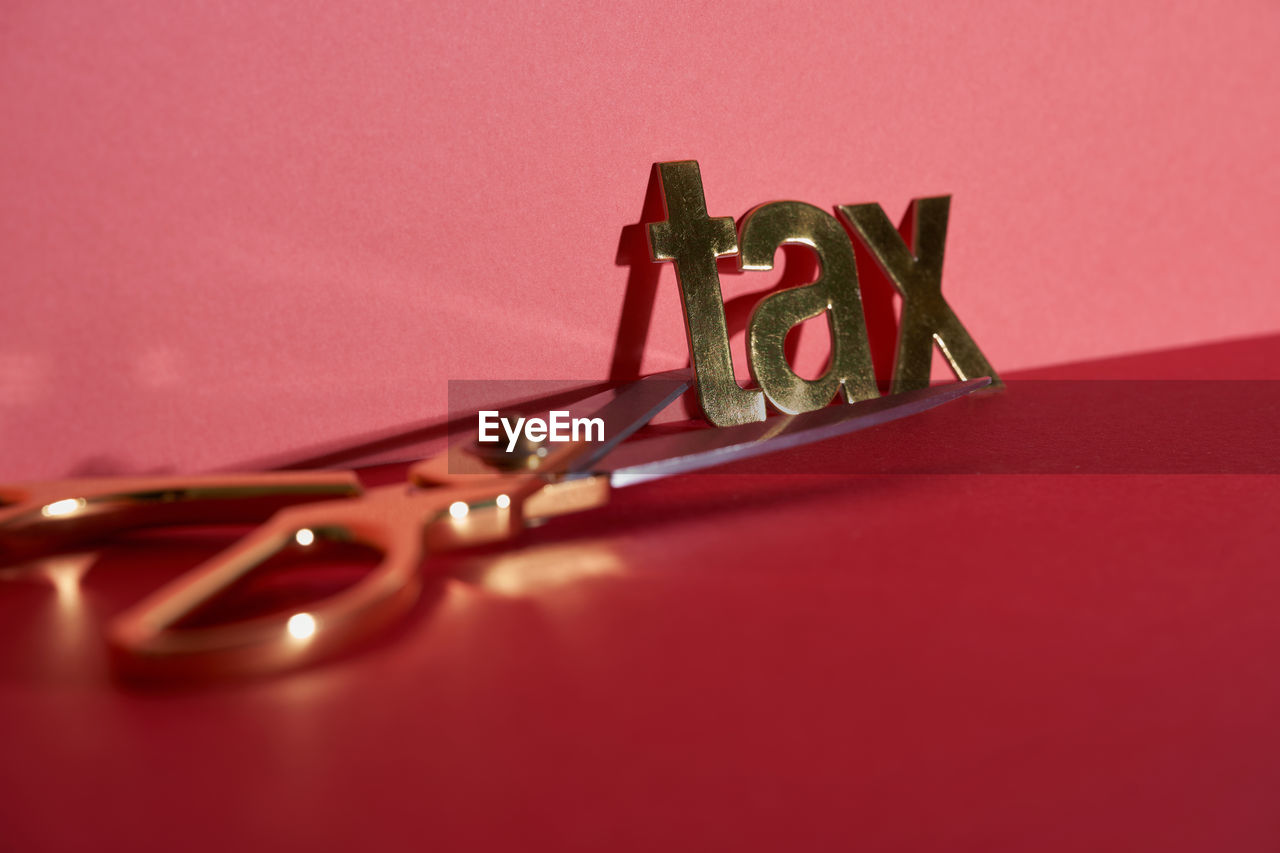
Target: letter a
point(836, 292)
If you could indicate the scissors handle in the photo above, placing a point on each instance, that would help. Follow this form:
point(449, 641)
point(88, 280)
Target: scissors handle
point(400, 522)
point(39, 518)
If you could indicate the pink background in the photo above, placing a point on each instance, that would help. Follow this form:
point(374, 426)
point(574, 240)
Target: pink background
point(238, 229)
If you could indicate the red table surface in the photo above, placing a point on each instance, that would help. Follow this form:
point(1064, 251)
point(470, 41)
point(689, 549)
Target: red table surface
point(752, 660)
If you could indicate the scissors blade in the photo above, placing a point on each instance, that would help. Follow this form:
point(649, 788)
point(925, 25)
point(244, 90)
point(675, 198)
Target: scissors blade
point(633, 406)
point(666, 455)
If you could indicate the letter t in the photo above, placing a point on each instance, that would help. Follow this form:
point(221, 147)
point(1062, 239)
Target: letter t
point(693, 240)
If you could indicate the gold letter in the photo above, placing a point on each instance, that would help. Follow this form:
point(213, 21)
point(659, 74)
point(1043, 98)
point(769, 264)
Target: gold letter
point(764, 229)
point(916, 271)
point(693, 241)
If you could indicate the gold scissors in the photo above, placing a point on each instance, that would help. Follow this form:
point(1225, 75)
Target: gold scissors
point(454, 499)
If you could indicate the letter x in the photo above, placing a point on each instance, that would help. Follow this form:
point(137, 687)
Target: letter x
point(916, 272)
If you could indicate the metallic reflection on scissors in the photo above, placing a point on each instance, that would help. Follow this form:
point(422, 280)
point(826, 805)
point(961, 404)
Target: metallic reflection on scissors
point(452, 500)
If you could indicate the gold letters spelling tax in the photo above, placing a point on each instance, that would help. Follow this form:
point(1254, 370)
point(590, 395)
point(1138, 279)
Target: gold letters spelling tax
point(693, 240)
